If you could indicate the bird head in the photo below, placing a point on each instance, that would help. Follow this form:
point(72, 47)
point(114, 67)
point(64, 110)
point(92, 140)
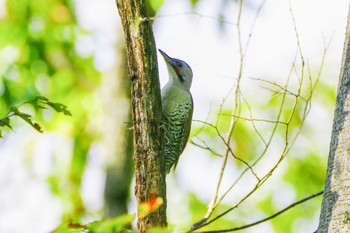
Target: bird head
point(179, 71)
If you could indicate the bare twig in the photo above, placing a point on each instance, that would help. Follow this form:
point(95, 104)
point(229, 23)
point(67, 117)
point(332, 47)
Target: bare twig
point(213, 203)
point(229, 148)
point(267, 218)
point(205, 146)
point(285, 114)
point(289, 141)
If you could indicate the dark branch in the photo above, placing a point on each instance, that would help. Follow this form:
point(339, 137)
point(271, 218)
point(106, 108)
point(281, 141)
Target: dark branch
point(264, 219)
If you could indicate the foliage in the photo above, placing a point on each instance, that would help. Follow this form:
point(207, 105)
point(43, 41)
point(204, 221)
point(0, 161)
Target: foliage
point(153, 6)
point(115, 225)
point(39, 57)
point(39, 103)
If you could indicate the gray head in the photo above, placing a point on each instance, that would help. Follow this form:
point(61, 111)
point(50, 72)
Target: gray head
point(179, 71)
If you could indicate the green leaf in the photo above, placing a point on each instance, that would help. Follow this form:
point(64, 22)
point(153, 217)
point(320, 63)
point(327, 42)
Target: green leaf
point(38, 102)
point(5, 122)
point(194, 3)
point(156, 4)
point(37, 127)
point(60, 108)
point(69, 228)
point(117, 224)
point(168, 229)
point(27, 118)
point(14, 109)
point(42, 98)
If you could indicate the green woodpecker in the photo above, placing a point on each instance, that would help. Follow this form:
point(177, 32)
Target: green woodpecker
point(177, 106)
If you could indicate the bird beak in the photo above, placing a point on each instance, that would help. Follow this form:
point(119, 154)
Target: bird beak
point(167, 59)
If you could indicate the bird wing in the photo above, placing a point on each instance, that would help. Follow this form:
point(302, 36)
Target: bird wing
point(187, 121)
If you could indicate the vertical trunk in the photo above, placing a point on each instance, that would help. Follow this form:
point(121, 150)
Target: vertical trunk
point(335, 212)
point(118, 136)
point(146, 110)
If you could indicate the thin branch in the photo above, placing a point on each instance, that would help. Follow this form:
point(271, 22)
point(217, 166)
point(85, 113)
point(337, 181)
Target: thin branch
point(253, 25)
point(204, 221)
point(296, 34)
point(223, 102)
point(256, 119)
point(253, 122)
point(282, 92)
point(229, 148)
point(206, 119)
point(205, 147)
point(236, 111)
point(267, 218)
point(195, 13)
point(281, 88)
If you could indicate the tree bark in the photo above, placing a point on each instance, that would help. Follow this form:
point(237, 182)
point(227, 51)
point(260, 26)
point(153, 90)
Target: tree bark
point(146, 110)
point(335, 211)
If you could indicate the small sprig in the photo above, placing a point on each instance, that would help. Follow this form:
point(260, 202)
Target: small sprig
point(40, 102)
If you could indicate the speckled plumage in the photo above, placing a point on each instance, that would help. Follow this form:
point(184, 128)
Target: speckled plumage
point(177, 107)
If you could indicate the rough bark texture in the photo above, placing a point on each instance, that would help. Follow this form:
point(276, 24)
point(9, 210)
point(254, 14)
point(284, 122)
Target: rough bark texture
point(146, 109)
point(335, 212)
point(118, 136)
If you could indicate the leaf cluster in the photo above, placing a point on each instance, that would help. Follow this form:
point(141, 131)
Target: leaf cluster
point(41, 56)
point(114, 225)
point(39, 102)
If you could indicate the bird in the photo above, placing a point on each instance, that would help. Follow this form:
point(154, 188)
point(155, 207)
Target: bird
point(177, 109)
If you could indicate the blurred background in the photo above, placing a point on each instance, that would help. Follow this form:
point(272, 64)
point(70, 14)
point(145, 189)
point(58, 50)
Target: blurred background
point(80, 169)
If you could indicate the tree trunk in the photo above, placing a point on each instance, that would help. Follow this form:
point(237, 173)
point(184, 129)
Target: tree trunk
point(118, 136)
point(146, 110)
point(335, 211)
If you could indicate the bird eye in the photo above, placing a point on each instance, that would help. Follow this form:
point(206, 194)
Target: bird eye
point(179, 64)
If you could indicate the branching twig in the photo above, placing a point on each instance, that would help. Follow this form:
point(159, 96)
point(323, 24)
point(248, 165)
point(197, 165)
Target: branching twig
point(285, 115)
point(280, 88)
point(267, 218)
point(236, 111)
point(39, 102)
point(205, 147)
point(229, 148)
point(289, 139)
